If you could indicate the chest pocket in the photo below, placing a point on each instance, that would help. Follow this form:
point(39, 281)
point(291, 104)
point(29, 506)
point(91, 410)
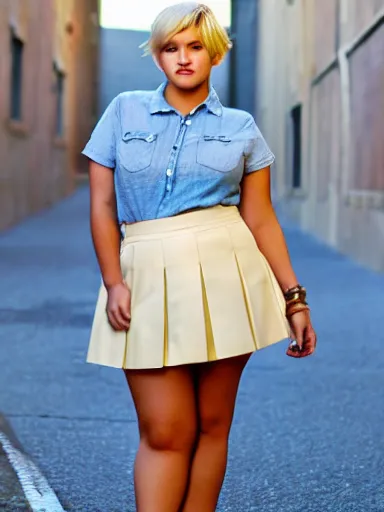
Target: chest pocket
point(219, 152)
point(136, 150)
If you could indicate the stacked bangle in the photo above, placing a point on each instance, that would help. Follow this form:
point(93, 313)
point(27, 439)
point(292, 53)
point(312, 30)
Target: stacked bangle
point(295, 299)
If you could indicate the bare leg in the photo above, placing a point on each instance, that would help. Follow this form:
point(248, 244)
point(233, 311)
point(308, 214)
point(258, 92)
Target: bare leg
point(217, 385)
point(166, 408)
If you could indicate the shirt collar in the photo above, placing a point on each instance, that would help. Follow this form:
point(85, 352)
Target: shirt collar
point(160, 104)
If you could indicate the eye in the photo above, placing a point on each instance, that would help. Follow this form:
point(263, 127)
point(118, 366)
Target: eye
point(197, 47)
point(170, 49)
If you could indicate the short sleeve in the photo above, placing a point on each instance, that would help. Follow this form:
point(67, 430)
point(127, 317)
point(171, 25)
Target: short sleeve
point(101, 147)
point(257, 153)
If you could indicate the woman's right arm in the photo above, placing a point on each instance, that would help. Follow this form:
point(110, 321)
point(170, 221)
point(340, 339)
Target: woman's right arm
point(106, 240)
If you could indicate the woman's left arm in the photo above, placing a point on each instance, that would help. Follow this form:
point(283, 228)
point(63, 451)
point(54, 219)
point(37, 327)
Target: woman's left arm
point(258, 213)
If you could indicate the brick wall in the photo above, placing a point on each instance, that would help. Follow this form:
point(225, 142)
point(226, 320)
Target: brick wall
point(39, 162)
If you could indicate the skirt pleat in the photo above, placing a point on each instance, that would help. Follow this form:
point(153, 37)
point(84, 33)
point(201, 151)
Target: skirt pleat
point(200, 291)
point(185, 312)
point(228, 315)
point(211, 351)
point(145, 337)
point(265, 299)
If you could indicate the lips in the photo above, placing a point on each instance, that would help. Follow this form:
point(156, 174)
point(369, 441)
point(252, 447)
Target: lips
point(185, 72)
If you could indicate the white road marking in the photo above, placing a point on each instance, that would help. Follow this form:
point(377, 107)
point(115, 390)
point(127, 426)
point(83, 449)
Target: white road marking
point(35, 486)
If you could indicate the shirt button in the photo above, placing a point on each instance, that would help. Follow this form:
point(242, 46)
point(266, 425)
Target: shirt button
point(169, 187)
point(150, 138)
point(169, 172)
point(188, 122)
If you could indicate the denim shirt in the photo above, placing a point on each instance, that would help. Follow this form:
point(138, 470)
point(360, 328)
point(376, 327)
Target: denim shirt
point(165, 163)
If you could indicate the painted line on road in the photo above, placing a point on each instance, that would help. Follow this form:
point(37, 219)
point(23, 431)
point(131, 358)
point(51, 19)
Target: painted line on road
point(35, 486)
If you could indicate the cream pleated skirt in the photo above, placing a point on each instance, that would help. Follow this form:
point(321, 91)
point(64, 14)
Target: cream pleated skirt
point(200, 291)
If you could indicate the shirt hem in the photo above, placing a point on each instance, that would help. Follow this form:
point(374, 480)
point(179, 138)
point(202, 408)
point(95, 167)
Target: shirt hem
point(260, 165)
point(92, 155)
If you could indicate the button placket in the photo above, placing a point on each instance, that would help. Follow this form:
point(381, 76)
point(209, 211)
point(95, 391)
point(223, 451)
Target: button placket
point(170, 172)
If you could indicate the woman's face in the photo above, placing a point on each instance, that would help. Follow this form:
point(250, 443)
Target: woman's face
point(185, 61)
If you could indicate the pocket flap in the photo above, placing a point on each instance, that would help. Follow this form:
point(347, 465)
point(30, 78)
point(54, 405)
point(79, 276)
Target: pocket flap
point(219, 138)
point(145, 136)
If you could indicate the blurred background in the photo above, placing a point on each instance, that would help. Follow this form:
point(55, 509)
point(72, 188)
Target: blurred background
point(310, 71)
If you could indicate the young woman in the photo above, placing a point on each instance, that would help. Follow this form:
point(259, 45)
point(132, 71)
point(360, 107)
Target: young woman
point(196, 273)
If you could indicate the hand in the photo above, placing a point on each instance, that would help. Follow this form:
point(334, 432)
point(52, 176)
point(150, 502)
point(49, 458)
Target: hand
point(119, 307)
point(304, 335)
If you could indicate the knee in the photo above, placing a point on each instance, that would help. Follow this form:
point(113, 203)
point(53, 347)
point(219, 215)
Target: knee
point(169, 435)
point(215, 425)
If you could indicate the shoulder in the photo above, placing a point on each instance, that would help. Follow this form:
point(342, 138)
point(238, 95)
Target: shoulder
point(241, 119)
point(137, 99)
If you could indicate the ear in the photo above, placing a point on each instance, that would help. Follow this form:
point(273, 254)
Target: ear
point(216, 60)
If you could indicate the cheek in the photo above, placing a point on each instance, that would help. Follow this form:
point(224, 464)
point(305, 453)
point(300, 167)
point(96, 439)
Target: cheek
point(204, 63)
point(164, 62)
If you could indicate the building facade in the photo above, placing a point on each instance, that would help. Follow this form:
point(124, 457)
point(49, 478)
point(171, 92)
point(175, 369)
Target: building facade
point(319, 99)
point(48, 100)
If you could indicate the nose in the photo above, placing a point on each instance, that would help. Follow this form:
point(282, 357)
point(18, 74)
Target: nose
point(184, 58)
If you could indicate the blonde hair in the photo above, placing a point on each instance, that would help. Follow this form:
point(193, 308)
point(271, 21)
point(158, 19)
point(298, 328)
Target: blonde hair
point(179, 17)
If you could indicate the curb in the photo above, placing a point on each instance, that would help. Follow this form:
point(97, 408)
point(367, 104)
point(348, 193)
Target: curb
point(25, 488)
point(12, 497)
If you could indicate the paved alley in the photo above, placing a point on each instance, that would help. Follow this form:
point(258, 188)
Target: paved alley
point(307, 435)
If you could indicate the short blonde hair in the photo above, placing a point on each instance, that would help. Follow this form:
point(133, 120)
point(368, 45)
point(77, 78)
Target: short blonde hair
point(179, 17)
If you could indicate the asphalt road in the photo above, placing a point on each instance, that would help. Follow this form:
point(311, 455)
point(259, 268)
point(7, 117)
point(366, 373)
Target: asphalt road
point(308, 435)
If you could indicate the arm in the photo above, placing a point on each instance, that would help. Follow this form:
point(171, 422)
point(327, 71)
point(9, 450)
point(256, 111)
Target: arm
point(257, 211)
point(106, 239)
point(104, 225)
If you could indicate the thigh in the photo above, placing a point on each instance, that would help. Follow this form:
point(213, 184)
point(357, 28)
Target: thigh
point(165, 403)
point(217, 383)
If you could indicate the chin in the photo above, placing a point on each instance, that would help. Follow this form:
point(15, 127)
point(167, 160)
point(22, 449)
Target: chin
point(187, 82)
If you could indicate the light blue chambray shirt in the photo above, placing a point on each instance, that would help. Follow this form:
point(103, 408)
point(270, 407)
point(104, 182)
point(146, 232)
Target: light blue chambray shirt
point(165, 163)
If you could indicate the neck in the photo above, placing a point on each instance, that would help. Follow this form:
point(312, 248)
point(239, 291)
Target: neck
point(186, 100)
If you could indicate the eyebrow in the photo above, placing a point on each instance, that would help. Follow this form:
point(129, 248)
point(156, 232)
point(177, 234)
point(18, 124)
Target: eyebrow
point(188, 44)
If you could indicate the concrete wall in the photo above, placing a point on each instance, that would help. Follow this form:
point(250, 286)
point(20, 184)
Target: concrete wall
point(122, 67)
point(38, 164)
point(243, 55)
point(327, 57)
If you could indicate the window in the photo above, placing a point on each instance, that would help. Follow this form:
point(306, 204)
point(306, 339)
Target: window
point(296, 129)
point(17, 47)
point(59, 78)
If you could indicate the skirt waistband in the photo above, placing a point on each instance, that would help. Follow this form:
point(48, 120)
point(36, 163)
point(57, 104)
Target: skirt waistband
point(204, 218)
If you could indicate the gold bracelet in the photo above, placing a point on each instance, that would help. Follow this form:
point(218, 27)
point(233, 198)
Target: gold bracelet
point(295, 292)
point(296, 308)
point(298, 300)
